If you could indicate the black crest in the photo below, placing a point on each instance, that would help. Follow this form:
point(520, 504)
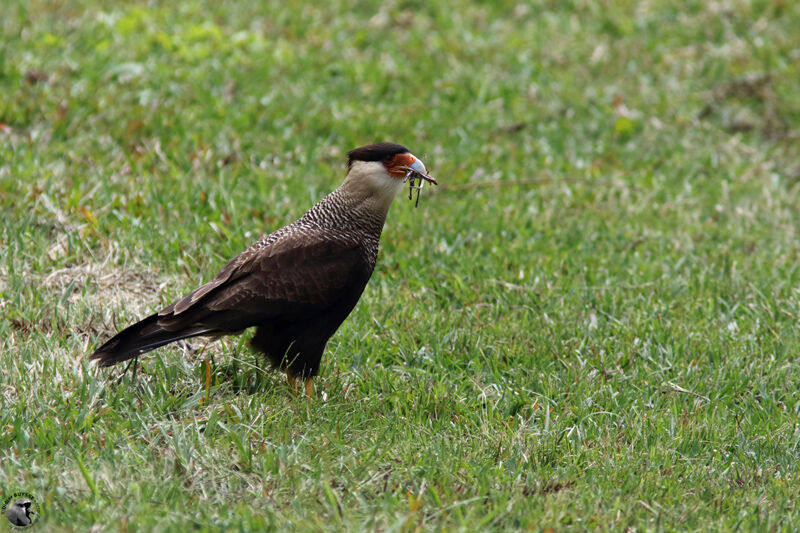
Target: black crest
point(375, 152)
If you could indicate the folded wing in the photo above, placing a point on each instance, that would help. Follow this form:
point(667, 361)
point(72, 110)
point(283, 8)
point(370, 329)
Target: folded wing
point(292, 278)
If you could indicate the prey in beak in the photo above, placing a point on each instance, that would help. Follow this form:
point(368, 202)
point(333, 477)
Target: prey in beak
point(412, 170)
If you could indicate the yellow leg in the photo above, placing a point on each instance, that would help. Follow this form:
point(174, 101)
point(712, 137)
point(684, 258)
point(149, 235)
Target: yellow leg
point(309, 388)
point(292, 383)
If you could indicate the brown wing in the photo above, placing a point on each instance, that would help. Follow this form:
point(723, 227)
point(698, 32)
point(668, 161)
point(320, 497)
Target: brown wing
point(298, 276)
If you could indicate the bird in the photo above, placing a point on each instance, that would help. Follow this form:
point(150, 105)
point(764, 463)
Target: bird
point(295, 285)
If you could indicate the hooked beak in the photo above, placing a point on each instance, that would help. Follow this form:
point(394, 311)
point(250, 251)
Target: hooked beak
point(421, 172)
point(407, 165)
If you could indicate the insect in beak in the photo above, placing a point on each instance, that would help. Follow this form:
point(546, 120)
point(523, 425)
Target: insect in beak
point(413, 176)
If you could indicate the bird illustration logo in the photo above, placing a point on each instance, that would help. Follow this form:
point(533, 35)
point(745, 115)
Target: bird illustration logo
point(21, 510)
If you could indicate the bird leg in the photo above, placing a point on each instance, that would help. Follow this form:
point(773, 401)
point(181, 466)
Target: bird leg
point(294, 387)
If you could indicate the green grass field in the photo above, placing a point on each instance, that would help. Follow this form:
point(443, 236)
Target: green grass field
point(591, 324)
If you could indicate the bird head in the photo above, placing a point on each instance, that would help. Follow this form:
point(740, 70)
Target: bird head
point(378, 171)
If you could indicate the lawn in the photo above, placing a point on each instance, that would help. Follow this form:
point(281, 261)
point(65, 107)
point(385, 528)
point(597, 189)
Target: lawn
point(592, 323)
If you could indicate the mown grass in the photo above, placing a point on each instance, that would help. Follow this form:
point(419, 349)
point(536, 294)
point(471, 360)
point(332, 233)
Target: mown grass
point(591, 324)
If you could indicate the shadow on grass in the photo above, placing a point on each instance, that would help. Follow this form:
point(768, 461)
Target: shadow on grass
point(245, 378)
point(241, 371)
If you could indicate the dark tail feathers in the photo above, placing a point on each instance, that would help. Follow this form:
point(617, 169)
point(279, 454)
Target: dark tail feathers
point(140, 338)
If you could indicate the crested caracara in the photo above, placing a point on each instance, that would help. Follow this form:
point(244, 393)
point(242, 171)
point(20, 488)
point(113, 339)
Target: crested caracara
point(296, 285)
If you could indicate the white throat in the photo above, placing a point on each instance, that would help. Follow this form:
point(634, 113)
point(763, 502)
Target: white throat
point(368, 182)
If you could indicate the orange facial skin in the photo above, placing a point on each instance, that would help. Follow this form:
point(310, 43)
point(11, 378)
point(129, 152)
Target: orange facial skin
point(398, 165)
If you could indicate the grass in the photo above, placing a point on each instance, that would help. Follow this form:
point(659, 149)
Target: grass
point(591, 324)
